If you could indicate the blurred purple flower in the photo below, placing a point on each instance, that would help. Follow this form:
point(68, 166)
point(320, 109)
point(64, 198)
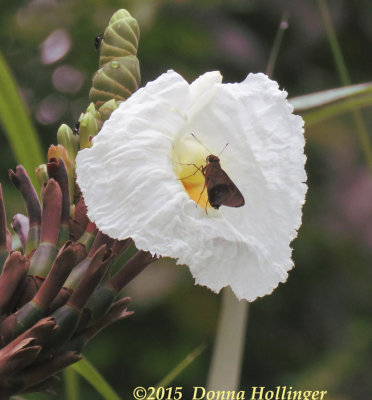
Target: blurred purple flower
point(51, 109)
point(354, 200)
point(67, 79)
point(55, 46)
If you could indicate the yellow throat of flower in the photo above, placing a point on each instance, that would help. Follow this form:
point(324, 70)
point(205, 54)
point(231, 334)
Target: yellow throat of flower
point(188, 158)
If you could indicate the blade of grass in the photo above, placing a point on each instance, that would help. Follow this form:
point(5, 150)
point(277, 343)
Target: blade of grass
point(334, 109)
point(361, 130)
point(318, 99)
point(276, 46)
point(19, 130)
point(71, 384)
point(168, 379)
point(88, 372)
point(333, 42)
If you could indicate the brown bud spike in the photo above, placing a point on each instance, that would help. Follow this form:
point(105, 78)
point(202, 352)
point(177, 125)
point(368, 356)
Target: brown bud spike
point(39, 333)
point(60, 270)
point(37, 374)
point(92, 277)
point(116, 312)
point(2, 221)
point(20, 224)
point(23, 183)
point(89, 235)
point(18, 358)
point(29, 288)
point(60, 300)
point(120, 246)
point(57, 170)
point(52, 208)
point(58, 152)
point(100, 240)
point(130, 270)
point(15, 269)
point(75, 230)
point(81, 213)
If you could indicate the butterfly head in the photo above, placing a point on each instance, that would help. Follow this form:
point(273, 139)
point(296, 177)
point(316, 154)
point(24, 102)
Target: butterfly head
point(212, 159)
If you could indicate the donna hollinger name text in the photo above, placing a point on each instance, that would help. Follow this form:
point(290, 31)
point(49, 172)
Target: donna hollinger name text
point(259, 393)
point(254, 393)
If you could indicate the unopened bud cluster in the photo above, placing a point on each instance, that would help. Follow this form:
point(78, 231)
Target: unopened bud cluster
point(57, 290)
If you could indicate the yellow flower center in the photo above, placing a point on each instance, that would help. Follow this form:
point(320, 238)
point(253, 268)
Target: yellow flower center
point(189, 157)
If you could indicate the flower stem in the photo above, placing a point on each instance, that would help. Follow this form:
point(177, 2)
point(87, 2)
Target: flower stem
point(71, 383)
point(276, 45)
point(361, 130)
point(224, 372)
point(225, 368)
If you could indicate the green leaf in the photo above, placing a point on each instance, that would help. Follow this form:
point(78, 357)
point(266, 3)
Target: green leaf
point(325, 97)
point(19, 130)
point(334, 109)
point(361, 130)
point(172, 375)
point(87, 371)
point(71, 383)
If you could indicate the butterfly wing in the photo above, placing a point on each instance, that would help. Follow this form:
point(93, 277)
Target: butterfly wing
point(222, 191)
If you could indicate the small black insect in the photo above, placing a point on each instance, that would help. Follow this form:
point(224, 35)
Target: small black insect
point(97, 41)
point(76, 127)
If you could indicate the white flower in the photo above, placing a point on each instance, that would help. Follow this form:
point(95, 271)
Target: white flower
point(132, 178)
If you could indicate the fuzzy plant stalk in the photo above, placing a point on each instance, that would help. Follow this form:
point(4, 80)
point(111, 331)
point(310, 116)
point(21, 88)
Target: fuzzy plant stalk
point(57, 291)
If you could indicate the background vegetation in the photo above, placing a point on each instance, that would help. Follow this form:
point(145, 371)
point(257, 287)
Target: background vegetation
point(315, 331)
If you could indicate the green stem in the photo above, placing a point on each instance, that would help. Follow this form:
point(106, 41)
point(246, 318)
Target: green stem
point(71, 379)
point(224, 372)
point(276, 45)
point(170, 378)
point(361, 130)
point(87, 371)
point(333, 42)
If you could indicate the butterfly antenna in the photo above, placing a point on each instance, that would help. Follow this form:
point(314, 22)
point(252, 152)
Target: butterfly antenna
point(222, 149)
point(206, 148)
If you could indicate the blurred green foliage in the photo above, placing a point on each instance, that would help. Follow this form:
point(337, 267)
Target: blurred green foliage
point(315, 330)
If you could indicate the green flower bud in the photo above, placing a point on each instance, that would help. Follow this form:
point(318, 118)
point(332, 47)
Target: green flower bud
point(68, 140)
point(92, 109)
point(107, 108)
point(42, 174)
point(119, 74)
point(117, 80)
point(88, 129)
point(120, 38)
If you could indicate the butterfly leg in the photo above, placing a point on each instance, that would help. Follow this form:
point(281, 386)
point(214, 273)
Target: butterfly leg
point(206, 203)
point(197, 169)
point(201, 193)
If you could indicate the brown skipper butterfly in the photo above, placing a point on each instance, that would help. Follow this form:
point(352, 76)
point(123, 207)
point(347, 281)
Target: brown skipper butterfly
point(221, 190)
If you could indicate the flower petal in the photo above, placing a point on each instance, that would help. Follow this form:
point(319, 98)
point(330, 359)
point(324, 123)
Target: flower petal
point(130, 187)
